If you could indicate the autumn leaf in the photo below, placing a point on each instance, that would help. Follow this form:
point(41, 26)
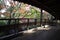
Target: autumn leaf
point(22, 11)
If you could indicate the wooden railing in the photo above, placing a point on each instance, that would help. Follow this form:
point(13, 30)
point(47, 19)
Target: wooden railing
point(17, 21)
point(17, 25)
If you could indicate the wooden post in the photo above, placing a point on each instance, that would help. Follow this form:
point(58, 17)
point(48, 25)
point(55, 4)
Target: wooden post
point(41, 17)
point(27, 24)
point(35, 22)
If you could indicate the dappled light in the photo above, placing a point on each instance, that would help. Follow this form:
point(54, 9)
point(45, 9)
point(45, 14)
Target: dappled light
point(33, 30)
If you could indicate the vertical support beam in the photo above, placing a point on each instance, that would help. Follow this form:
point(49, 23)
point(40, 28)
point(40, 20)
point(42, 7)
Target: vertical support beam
point(27, 24)
point(11, 9)
point(18, 24)
point(35, 22)
point(56, 22)
point(41, 17)
point(15, 26)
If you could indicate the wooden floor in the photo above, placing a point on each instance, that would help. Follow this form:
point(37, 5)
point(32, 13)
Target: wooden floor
point(51, 34)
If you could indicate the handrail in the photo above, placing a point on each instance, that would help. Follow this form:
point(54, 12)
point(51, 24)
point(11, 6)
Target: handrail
point(19, 24)
point(20, 19)
point(15, 18)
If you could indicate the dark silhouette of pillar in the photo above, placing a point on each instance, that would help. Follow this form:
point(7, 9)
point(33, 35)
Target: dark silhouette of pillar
point(41, 17)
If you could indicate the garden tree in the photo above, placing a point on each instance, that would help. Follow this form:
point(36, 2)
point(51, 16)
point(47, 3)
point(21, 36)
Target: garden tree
point(46, 15)
point(22, 11)
point(19, 10)
point(33, 13)
point(16, 12)
point(1, 6)
point(2, 11)
point(7, 14)
point(1, 1)
point(13, 9)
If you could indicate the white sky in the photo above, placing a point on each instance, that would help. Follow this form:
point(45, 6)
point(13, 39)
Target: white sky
point(2, 15)
point(3, 10)
point(7, 2)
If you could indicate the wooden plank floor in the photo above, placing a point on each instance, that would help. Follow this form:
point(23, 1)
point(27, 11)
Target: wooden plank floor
point(51, 34)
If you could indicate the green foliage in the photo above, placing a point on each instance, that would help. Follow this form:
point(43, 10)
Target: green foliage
point(2, 22)
point(33, 13)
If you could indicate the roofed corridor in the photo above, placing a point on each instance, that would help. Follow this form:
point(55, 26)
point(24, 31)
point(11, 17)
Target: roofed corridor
point(29, 20)
point(46, 32)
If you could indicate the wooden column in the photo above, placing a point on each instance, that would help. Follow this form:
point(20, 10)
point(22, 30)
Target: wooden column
point(41, 17)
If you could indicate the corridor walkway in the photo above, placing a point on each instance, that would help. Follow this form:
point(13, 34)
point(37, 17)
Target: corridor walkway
point(50, 34)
